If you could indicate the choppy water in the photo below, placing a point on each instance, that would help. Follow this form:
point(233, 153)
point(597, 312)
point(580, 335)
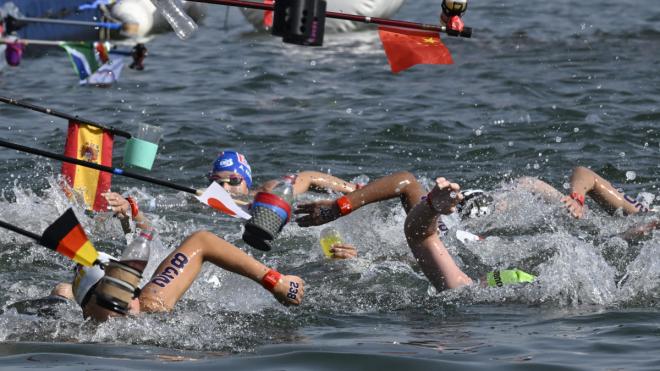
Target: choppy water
point(541, 88)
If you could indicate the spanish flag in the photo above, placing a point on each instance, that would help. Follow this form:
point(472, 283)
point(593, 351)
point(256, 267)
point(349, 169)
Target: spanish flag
point(91, 144)
point(406, 48)
point(67, 237)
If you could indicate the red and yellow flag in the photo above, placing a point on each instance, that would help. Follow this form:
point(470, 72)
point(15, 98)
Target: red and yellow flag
point(91, 144)
point(67, 237)
point(406, 48)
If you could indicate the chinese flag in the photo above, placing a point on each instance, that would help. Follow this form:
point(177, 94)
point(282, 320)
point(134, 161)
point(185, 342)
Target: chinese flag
point(91, 144)
point(268, 14)
point(67, 237)
point(406, 48)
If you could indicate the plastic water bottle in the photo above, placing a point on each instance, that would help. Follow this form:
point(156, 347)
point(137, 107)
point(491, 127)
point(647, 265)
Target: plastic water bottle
point(284, 189)
point(329, 237)
point(136, 254)
point(181, 23)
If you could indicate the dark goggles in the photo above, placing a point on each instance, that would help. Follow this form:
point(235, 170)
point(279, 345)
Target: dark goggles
point(232, 180)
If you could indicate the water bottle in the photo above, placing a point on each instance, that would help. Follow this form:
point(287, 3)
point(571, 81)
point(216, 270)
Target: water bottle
point(284, 189)
point(181, 23)
point(270, 213)
point(329, 237)
point(136, 254)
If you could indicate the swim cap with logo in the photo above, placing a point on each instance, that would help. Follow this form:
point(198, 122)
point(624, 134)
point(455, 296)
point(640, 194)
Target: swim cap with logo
point(508, 277)
point(87, 277)
point(234, 162)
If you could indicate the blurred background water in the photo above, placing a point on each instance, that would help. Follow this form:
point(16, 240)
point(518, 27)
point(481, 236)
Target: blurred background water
point(540, 88)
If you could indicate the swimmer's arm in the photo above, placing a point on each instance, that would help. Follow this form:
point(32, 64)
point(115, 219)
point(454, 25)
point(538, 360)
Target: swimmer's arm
point(584, 181)
point(423, 239)
point(540, 188)
point(307, 180)
point(638, 232)
point(401, 184)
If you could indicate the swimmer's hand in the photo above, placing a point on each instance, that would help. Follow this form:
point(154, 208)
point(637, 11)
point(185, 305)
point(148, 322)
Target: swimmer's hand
point(318, 213)
point(573, 206)
point(639, 232)
point(445, 196)
point(117, 204)
point(343, 251)
point(290, 290)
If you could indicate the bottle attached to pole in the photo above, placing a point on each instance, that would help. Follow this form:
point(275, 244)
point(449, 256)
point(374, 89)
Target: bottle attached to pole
point(181, 22)
point(270, 213)
point(120, 284)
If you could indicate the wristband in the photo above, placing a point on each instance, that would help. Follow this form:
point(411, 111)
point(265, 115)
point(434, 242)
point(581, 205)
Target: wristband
point(578, 197)
point(359, 186)
point(270, 279)
point(344, 204)
point(134, 206)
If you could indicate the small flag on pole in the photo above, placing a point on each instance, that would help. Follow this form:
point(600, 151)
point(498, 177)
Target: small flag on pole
point(219, 199)
point(83, 58)
point(406, 48)
point(92, 144)
point(67, 237)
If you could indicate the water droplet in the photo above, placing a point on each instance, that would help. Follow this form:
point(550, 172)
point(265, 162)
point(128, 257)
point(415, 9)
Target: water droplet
point(631, 175)
point(510, 143)
point(349, 110)
point(622, 154)
point(576, 130)
point(477, 132)
point(312, 63)
point(453, 195)
point(558, 139)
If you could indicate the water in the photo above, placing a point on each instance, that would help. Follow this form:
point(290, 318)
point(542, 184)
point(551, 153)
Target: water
point(541, 88)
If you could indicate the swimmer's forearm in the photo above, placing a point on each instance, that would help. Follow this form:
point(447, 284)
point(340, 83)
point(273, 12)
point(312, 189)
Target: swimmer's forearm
point(401, 184)
point(314, 179)
point(227, 256)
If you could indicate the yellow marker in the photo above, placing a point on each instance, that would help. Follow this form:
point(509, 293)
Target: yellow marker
point(329, 237)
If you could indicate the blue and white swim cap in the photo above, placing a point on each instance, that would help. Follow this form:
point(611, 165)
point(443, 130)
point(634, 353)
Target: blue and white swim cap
point(234, 162)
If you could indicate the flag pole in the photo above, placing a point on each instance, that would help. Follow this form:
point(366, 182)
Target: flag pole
point(467, 31)
point(107, 169)
point(20, 231)
point(14, 23)
point(51, 112)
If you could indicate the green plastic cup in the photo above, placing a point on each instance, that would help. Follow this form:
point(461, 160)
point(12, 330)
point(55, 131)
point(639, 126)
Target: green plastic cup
point(140, 153)
point(141, 149)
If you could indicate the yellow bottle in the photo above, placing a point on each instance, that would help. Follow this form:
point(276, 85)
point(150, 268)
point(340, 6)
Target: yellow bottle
point(329, 237)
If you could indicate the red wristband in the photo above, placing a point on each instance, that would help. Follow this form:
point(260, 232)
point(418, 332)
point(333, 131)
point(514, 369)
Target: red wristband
point(344, 204)
point(270, 279)
point(134, 206)
point(578, 197)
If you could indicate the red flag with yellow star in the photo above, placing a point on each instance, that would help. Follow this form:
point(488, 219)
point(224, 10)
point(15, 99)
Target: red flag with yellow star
point(406, 48)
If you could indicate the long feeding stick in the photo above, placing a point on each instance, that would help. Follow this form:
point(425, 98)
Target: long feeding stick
point(68, 22)
point(51, 112)
point(467, 32)
point(107, 169)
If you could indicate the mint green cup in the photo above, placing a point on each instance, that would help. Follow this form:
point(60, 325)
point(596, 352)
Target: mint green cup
point(140, 153)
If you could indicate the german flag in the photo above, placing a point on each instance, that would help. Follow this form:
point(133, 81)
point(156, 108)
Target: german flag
point(67, 237)
point(88, 143)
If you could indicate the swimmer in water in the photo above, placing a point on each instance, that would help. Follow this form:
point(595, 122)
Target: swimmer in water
point(175, 275)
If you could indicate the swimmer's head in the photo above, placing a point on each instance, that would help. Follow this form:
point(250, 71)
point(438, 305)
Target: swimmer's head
point(84, 285)
point(476, 203)
point(87, 278)
point(231, 170)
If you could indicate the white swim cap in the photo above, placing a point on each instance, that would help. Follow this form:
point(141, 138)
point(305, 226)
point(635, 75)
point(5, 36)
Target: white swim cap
point(87, 277)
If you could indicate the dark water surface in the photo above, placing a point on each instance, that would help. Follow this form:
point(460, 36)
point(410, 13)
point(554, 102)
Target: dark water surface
point(542, 87)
